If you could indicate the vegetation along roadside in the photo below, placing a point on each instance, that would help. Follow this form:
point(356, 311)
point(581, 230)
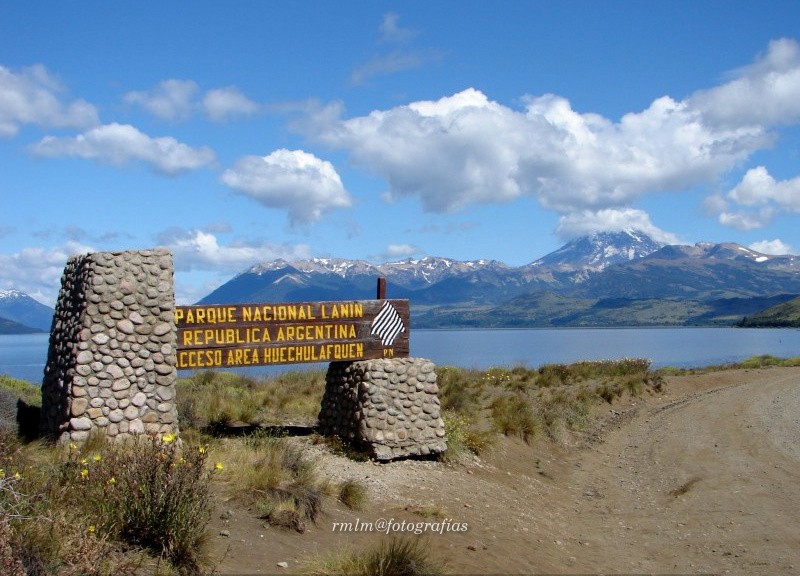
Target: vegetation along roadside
point(145, 507)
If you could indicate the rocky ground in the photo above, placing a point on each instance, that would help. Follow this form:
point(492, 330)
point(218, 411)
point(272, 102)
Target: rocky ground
point(704, 479)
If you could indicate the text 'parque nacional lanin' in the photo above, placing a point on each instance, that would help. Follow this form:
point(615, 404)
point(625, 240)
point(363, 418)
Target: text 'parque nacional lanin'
point(216, 336)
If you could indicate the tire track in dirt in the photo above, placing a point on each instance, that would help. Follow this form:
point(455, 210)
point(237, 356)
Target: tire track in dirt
point(709, 483)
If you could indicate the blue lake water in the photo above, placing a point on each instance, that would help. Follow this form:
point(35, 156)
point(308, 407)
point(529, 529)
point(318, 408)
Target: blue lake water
point(24, 356)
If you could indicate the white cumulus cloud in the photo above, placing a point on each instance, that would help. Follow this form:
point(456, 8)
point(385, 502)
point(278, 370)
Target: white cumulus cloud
point(466, 149)
point(33, 96)
point(765, 93)
point(756, 200)
point(37, 270)
point(222, 104)
point(291, 180)
point(120, 144)
point(170, 100)
point(758, 187)
point(201, 250)
point(586, 222)
point(176, 100)
point(395, 251)
point(745, 220)
point(774, 247)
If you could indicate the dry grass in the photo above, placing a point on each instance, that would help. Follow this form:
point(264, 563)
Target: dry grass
point(393, 557)
point(353, 494)
point(274, 476)
point(223, 398)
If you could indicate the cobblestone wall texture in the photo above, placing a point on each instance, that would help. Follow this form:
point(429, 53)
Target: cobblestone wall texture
point(390, 406)
point(111, 361)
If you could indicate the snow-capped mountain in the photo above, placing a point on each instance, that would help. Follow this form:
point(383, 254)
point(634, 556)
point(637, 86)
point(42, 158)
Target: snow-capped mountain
point(423, 272)
point(614, 267)
point(598, 251)
point(22, 309)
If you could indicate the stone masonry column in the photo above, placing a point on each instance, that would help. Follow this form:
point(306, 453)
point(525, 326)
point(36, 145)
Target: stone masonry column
point(389, 406)
point(112, 355)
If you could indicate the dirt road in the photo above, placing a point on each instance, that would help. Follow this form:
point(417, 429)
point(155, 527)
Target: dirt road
point(705, 480)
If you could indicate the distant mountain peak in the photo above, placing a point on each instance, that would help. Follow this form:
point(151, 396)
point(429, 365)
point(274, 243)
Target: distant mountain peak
point(598, 250)
point(12, 294)
point(22, 309)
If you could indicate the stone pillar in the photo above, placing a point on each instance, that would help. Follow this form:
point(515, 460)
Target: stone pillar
point(388, 406)
point(112, 356)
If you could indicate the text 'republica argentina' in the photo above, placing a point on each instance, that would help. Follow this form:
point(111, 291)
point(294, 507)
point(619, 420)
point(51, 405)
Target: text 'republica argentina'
point(260, 334)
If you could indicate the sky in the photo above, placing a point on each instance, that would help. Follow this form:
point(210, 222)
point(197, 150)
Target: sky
point(235, 133)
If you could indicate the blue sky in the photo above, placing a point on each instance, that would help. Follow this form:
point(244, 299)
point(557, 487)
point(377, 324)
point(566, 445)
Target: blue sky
point(235, 133)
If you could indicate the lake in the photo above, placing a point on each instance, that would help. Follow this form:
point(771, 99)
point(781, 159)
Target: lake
point(24, 356)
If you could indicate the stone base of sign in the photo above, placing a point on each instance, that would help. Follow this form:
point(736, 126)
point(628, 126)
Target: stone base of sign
point(111, 362)
point(389, 406)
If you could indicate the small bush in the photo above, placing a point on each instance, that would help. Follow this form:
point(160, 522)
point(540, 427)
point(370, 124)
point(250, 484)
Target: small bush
point(609, 391)
point(563, 409)
point(554, 375)
point(271, 474)
point(395, 557)
point(460, 390)
point(353, 494)
point(512, 415)
point(44, 530)
point(463, 438)
point(148, 492)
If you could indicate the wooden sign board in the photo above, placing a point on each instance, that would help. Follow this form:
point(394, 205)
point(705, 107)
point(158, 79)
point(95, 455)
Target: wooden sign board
point(222, 336)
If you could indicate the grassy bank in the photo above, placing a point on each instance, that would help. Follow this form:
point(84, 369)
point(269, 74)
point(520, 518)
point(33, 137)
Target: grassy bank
point(144, 507)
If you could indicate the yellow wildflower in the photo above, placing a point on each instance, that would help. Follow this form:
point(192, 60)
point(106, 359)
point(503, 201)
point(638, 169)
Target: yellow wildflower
point(167, 438)
point(96, 458)
point(2, 473)
point(84, 473)
point(91, 528)
point(202, 450)
point(112, 480)
point(84, 461)
point(17, 475)
point(218, 466)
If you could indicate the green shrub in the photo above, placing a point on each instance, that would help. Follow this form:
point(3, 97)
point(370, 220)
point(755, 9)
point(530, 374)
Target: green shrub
point(512, 415)
point(563, 409)
point(22, 389)
point(44, 528)
point(463, 438)
point(148, 492)
point(554, 375)
point(272, 475)
point(221, 398)
point(460, 390)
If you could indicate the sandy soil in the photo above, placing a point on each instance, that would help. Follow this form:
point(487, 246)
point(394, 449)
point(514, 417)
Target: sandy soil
point(702, 480)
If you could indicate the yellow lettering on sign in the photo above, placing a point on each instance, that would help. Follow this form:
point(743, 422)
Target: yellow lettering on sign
point(342, 310)
point(209, 315)
point(199, 358)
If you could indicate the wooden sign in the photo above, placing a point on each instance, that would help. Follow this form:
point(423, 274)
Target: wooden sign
point(221, 336)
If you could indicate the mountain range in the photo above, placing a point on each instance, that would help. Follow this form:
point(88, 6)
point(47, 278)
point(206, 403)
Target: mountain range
point(605, 279)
